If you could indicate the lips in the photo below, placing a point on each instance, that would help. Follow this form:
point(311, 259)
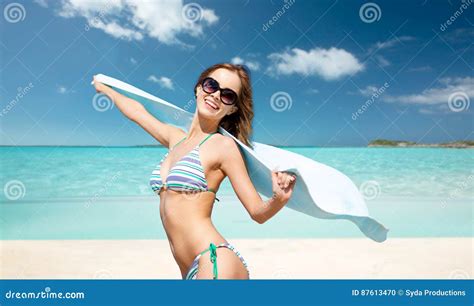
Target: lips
point(211, 104)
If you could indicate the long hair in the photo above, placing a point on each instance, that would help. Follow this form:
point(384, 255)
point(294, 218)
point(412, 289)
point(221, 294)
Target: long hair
point(239, 123)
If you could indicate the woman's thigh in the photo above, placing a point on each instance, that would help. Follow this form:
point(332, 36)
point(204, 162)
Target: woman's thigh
point(229, 266)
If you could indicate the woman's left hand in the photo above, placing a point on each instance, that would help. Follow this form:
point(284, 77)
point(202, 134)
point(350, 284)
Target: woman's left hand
point(283, 184)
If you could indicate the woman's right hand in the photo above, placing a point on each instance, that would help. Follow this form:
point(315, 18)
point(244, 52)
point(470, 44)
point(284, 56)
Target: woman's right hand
point(100, 87)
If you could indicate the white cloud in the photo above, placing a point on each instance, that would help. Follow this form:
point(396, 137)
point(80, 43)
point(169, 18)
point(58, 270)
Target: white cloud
point(89, 8)
point(253, 65)
point(62, 89)
point(426, 111)
point(459, 35)
point(209, 16)
point(437, 95)
point(312, 91)
point(162, 81)
point(42, 3)
point(135, 19)
point(435, 109)
point(421, 69)
point(133, 61)
point(368, 91)
point(330, 64)
point(390, 43)
point(117, 31)
point(237, 60)
point(383, 62)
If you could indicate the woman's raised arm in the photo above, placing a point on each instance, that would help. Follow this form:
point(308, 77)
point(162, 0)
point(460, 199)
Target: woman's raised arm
point(136, 112)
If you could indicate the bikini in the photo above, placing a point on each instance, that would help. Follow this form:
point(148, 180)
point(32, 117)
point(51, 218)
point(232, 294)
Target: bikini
point(188, 175)
point(192, 272)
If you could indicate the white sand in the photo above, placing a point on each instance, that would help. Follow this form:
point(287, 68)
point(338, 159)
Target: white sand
point(397, 258)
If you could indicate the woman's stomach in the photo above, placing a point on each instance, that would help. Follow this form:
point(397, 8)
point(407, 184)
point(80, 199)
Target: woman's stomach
point(187, 223)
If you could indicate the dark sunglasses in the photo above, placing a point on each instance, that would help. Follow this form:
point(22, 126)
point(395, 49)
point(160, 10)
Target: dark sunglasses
point(228, 96)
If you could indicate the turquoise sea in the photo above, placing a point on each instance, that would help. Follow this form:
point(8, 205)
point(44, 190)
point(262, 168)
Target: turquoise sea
point(103, 193)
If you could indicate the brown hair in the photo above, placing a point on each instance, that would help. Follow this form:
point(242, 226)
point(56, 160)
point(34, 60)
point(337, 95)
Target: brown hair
point(239, 123)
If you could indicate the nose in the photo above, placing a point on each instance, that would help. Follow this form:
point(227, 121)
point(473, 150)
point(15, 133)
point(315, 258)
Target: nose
point(216, 95)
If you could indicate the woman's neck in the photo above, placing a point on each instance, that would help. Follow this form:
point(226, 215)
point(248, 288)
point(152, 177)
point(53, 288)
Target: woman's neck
point(200, 127)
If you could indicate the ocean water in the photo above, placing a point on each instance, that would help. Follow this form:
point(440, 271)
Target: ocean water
point(103, 193)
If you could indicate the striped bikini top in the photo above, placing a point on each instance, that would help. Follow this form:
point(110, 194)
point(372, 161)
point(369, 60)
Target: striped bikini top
point(187, 174)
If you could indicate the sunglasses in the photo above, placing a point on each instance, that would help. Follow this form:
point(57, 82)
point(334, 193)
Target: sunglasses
point(228, 96)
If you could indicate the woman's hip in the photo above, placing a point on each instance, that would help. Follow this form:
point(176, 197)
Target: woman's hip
point(217, 262)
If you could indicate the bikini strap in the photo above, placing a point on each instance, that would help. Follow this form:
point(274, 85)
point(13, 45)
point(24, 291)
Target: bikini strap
point(212, 190)
point(178, 143)
point(213, 257)
point(206, 138)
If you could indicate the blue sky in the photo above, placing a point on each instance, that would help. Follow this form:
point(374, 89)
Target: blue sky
point(326, 73)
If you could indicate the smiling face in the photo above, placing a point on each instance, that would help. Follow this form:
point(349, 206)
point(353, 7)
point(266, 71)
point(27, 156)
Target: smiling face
point(210, 105)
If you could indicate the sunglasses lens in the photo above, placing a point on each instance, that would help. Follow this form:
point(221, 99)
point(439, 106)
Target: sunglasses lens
point(228, 96)
point(210, 85)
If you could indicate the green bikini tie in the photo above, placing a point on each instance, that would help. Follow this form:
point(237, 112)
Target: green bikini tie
point(213, 255)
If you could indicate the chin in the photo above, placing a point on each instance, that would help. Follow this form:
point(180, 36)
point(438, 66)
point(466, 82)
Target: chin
point(206, 113)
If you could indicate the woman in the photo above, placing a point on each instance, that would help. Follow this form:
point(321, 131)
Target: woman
point(188, 176)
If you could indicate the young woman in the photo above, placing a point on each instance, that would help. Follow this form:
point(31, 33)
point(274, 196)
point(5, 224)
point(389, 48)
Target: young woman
point(188, 176)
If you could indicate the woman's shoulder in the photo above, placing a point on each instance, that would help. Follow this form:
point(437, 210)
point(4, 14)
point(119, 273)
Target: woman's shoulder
point(224, 144)
point(224, 141)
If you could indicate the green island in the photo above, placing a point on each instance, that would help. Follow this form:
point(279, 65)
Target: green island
point(404, 144)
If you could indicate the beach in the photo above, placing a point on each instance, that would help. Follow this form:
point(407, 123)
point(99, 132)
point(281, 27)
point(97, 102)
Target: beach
point(332, 258)
point(107, 223)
